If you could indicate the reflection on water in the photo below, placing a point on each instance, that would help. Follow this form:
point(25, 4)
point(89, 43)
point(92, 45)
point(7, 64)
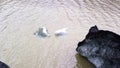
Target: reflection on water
point(82, 62)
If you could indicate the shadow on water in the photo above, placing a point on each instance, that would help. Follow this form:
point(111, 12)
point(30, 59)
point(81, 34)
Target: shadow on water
point(82, 62)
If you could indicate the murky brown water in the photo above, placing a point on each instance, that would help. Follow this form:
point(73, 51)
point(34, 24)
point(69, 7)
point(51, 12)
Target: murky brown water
point(20, 19)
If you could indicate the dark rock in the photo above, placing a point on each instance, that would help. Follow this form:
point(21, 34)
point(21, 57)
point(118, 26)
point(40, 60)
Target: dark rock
point(102, 48)
point(3, 65)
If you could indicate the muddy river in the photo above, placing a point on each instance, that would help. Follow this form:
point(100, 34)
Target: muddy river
point(20, 19)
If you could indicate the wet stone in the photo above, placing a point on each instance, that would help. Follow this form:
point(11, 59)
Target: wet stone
point(3, 65)
point(42, 32)
point(100, 47)
point(61, 32)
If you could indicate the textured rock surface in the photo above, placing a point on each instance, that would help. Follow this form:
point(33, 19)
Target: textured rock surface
point(102, 48)
point(19, 19)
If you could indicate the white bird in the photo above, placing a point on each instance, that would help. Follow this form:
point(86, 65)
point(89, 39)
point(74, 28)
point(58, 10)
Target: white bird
point(61, 32)
point(42, 32)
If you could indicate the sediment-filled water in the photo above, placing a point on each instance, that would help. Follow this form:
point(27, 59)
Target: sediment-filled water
point(20, 19)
